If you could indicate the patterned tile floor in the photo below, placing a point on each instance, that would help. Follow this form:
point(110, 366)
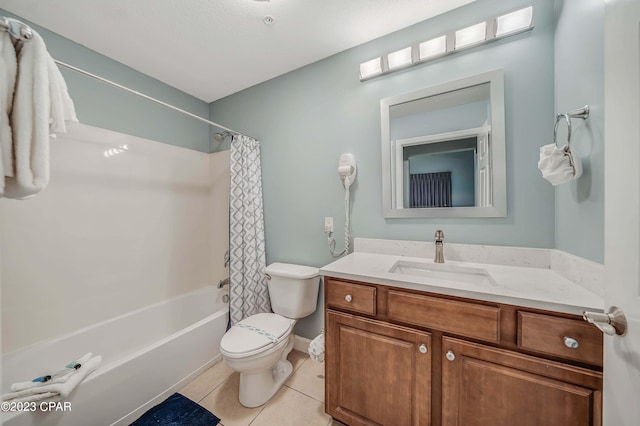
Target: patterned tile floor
point(299, 402)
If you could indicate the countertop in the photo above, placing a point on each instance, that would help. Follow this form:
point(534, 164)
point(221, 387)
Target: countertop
point(523, 286)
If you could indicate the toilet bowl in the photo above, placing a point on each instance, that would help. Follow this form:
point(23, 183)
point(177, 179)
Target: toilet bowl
point(257, 347)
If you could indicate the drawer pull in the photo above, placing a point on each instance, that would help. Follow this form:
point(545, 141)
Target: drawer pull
point(570, 342)
point(348, 298)
point(450, 355)
point(423, 349)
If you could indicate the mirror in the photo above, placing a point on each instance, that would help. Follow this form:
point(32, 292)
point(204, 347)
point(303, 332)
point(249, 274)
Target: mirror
point(443, 150)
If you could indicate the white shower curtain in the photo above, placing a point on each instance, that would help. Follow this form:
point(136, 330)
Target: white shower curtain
point(248, 286)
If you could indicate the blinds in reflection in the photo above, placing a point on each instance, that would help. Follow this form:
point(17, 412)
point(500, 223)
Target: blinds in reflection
point(430, 190)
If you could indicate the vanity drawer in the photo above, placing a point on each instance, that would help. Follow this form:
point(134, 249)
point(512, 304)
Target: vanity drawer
point(461, 318)
point(352, 297)
point(547, 334)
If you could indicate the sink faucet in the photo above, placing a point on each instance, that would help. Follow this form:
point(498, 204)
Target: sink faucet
point(439, 246)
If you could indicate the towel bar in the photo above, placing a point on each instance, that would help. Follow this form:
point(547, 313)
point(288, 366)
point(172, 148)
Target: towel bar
point(17, 29)
point(22, 31)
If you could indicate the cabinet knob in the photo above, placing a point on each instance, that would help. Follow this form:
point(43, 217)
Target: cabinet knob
point(571, 343)
point(423, 348)
point(348, 298)
point(450, 355)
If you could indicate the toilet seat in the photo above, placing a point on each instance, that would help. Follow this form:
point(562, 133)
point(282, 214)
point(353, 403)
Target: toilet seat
point(255, 334)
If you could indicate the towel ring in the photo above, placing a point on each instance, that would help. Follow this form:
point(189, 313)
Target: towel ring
point(582, 113)
point(555, 130)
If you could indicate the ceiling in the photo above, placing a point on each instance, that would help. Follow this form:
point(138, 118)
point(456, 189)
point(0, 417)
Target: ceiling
point(213, 48)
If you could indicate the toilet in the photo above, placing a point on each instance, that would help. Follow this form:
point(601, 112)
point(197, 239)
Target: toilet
point(257, 347)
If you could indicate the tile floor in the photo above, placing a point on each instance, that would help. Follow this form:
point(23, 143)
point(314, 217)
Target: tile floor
point(299, 402)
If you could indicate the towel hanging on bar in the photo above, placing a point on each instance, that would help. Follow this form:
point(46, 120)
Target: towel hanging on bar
point(25, 33)
point(561, 164)
point(41, 108)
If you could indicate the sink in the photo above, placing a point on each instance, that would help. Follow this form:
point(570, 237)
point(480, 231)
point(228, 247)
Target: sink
point(443, 271)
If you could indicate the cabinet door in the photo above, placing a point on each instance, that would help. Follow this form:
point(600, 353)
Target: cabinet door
point(376, 373)
point(488, 386)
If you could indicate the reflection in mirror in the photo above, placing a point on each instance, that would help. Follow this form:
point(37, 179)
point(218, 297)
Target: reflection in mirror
point(443, 150)
point(442, 172)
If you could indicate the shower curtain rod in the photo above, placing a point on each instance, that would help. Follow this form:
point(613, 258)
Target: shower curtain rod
point(142, 95)
point(23, 32)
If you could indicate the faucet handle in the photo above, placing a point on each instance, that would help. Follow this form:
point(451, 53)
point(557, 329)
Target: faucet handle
point(439, 236)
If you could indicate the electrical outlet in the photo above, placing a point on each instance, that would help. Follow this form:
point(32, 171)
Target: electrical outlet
point(328, 224)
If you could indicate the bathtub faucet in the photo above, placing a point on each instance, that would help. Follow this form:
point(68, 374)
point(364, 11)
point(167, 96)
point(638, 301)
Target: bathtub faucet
point(224, 282)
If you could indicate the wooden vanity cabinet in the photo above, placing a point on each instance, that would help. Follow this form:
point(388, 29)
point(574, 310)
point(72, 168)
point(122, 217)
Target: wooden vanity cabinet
point(380, 373)
point(488, 386)
point(405, 357)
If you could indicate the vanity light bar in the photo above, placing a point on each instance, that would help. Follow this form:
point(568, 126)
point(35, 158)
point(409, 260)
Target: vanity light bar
point(400, 58)
point(514, 22)
point(370, 68)
point(433, 48)
point(470, 36)
point(483, 32)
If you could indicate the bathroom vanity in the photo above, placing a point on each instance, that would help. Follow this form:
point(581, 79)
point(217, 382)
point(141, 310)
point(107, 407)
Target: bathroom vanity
point(403, 349)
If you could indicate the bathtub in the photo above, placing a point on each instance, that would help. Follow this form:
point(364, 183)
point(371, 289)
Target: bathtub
point(147, 355)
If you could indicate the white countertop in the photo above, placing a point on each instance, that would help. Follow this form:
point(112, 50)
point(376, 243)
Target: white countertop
point(515, 285)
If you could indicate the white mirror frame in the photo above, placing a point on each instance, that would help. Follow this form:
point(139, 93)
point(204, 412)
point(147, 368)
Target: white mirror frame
point(498, 155)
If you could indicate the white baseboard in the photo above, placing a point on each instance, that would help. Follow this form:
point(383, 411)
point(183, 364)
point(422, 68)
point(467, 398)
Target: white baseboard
point(301, 344)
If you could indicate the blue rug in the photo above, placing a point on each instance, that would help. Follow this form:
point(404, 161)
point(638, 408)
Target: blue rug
point(177, 410)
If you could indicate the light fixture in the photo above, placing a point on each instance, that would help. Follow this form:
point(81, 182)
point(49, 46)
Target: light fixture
point(370, 68)
point(433, 48)
point(399, 58)
point(483, 32)
point(470, 36)
point(514, 22)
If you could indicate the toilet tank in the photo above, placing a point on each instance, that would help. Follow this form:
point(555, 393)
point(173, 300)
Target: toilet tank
point(293, 289)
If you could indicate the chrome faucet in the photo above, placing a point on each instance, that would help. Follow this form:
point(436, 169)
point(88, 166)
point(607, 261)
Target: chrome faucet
point(224, 282)
point(439, 246)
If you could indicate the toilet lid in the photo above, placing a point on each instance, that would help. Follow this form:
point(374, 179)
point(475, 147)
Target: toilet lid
point(254, 333)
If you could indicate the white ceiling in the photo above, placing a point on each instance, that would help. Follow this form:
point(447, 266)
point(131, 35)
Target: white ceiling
point(213, 48)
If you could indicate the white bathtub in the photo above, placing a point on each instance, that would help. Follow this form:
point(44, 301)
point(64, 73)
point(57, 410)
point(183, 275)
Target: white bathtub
point(146, 355)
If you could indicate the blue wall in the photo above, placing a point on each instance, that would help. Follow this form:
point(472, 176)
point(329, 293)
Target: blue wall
point(110, 108)
point(579, 65)
point(308, 117)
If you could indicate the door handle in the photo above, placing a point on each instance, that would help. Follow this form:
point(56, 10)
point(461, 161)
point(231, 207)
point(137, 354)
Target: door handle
point(611, 323)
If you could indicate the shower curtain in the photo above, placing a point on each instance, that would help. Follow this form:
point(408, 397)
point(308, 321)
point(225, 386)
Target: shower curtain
point(248, 286)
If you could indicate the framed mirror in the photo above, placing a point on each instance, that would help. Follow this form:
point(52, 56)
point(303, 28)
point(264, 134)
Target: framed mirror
point(443, 150)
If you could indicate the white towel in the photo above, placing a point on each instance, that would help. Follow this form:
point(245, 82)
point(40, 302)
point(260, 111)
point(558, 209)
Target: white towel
point(559, 165)
point(62, 109)
point(61, 379)
point(60, 390)
point(41, 105)
point(8, 69)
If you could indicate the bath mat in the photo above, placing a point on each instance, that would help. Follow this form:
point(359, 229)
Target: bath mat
point(177, 410)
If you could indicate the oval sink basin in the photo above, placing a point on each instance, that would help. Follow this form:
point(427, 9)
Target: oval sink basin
point(443, 271)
